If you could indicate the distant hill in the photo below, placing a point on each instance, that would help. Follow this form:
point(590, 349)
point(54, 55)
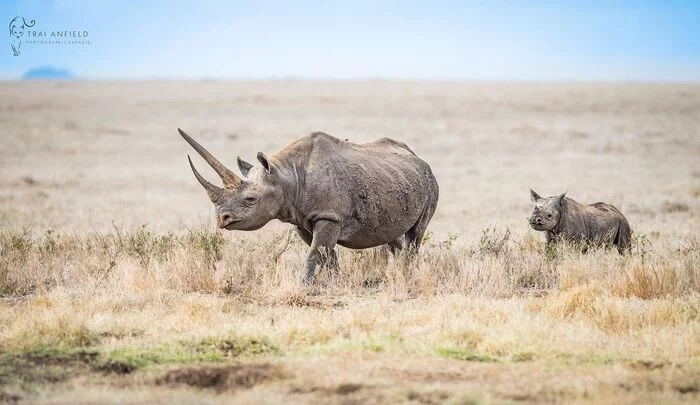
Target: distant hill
point(48, 73)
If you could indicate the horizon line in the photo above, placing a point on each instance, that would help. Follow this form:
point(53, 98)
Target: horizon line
point(353, 79)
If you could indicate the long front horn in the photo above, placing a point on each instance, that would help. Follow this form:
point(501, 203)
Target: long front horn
point(230, 178)
point(213, 191)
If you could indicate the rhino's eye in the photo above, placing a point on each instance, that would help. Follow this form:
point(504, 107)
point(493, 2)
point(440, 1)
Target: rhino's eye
point(250, 201)
point(549, 216)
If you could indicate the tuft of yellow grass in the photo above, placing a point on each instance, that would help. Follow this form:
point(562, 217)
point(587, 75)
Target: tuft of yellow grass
point(47, 330)
point(647, 282)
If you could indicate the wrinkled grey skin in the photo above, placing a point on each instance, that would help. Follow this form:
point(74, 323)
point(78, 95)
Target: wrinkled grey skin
point(562, 218)
point(335, 192)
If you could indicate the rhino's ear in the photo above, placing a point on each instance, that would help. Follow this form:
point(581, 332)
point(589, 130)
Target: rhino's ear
point(534, 196)
point(243, 166)
point(265, 162)
point(560, 197)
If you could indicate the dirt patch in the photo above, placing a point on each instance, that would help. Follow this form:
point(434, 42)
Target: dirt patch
point(116, 367)
point(7, 398)
point(54, 367)
point(355, 390)
point(222, 378)
point(56, 359)
point(428, 398)
point(28, 181)
point(648, 365)
point(347, 388)
point(687, 385)
point(422, 376)
point(43, 368)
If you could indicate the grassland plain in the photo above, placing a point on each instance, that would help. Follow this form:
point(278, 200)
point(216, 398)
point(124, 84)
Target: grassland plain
point(115, 287)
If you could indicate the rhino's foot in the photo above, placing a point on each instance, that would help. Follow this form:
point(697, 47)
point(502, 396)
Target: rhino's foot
point(308, 279)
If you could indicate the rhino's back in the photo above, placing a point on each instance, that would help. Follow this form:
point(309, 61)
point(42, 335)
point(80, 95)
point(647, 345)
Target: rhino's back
point(599, 222)
point(327, 146)
point(384, 146)
point(376, 157)
point(606, 209)
point(378, 189)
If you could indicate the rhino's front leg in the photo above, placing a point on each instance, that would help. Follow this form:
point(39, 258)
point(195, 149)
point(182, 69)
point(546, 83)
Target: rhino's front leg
point(308, 237)
point(325, 236)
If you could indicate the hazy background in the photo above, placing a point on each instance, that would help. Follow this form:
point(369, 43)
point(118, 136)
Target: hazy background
point(475, 40)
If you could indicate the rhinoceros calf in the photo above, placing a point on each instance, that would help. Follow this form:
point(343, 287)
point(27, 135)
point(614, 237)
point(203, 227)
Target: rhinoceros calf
point(562, 218)
point(356, 195)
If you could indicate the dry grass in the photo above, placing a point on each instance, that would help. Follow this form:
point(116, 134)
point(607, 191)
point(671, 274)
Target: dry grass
point(141, 301)
point(265, 269)
point(97, 308)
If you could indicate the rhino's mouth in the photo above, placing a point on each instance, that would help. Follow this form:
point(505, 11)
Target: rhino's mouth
point(230, 226)
point(538, 226)
point(236, 226)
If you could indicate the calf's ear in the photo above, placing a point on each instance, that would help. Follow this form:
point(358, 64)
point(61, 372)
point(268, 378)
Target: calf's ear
point(243, 166)
point(534, 196)
point(560, 197)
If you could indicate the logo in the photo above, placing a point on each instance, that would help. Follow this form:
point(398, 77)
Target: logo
point(17, 28)
point(22, 32)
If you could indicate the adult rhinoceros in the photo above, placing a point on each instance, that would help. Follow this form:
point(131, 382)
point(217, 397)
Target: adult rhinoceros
point(356, 195)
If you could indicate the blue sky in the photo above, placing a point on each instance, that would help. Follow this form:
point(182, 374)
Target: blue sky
point(491, 40)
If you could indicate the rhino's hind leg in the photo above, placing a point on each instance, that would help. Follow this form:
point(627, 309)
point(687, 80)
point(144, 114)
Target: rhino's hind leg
point(623, 238)
point(414, 236)
point(396, 245)
point(321, 251)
